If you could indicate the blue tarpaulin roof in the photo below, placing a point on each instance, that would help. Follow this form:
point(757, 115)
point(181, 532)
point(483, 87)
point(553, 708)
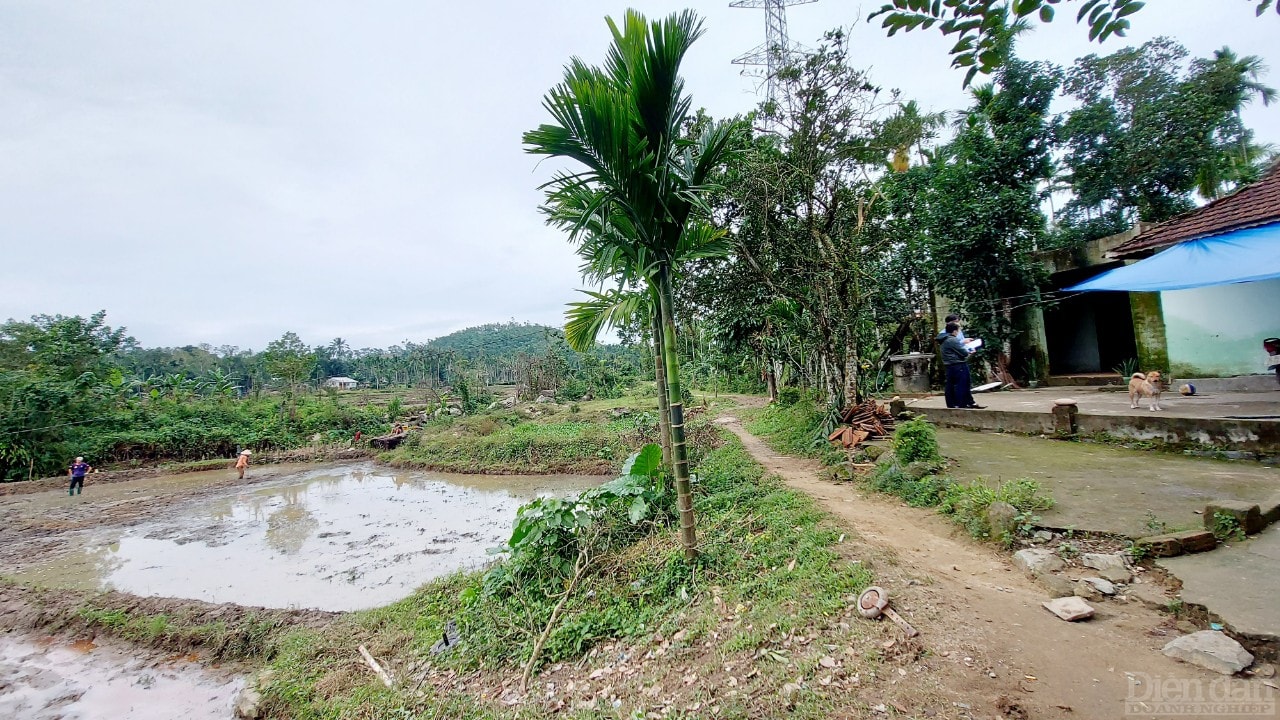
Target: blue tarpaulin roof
point(1241, 256)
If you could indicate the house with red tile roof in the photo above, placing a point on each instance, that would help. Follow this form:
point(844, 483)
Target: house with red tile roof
point(1193, 296)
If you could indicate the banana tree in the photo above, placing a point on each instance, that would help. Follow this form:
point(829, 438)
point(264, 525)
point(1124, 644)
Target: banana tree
point(641, 178)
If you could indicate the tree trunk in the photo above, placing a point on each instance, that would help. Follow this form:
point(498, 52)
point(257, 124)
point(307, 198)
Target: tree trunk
point(679, 454)
point(850, 371)
point(771, 379)
point(660, 374)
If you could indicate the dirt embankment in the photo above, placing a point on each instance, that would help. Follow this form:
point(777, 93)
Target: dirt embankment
point(221, 631)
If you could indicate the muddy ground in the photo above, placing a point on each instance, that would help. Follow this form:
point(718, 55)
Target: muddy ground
point(47, 678)
point(335, 537)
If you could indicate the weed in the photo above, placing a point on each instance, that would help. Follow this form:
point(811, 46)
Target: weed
point(1068, 550)
point(1227, 527)
point(1154, 524)
point(967, 503)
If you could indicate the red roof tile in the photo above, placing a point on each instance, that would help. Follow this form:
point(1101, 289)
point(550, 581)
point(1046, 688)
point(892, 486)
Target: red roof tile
point(1252, 205)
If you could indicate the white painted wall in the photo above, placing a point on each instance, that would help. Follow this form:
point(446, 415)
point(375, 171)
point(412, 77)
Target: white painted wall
point(1217, 331)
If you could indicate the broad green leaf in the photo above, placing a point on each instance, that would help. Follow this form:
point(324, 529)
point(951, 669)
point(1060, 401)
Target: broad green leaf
point(645, 461)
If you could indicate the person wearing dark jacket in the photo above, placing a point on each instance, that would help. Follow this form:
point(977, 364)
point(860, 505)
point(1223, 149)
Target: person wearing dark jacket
point(955, 356)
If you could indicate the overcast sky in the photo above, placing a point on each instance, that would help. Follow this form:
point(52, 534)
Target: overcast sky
point(225, 171)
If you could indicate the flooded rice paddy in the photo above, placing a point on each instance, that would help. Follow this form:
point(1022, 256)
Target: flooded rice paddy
point(341, 537)
point(44, 679)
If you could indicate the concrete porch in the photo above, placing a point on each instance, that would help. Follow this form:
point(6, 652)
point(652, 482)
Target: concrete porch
point(1244, 425)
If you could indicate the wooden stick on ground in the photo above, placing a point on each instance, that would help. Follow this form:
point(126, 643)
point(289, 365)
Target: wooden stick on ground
point(377, 669)
point(901, 622)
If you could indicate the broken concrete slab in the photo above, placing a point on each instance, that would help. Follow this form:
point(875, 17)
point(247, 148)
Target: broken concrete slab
point(1174, 544)
point(1271, 510)
point(1038, 560)
point(1211, 650)
point(1070, 609)
point(1109, 565)
point(1238, 583)
point(1056, 585)
point(1247, 515)
point(1101, 585)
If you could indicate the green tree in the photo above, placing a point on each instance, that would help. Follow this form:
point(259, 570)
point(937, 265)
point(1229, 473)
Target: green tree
point(977, 206)
point(1147, 134)
point(56, 372)
point(623, 124)
point(977, 23)
point(290, 360)
point(808, 210)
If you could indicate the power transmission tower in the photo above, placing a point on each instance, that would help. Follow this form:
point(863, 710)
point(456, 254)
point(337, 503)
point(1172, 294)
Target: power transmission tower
point(777, 51)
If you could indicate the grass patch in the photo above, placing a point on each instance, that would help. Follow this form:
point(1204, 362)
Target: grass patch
point(582, 442)
point(221, 632)
point(793, 429)
point(914, 471)
point(768, 568)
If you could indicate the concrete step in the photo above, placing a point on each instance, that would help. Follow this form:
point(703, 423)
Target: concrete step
point(1082, 380)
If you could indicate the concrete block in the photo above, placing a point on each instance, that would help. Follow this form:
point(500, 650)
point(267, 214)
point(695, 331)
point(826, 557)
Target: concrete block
point(1271, 510)
point(1064, 418)
point(1159, 546)
point(1173, 544)
point(1211, 650)
point(1194, 541)
point(1070, 609)
point(1247, 514)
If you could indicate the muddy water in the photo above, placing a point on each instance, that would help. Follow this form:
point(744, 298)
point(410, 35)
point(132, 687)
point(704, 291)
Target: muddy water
point(337, 538)
point(41, 679)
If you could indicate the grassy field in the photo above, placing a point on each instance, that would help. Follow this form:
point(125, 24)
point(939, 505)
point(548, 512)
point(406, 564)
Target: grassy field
point(592, 437)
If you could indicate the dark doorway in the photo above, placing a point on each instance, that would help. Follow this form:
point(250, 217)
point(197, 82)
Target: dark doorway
point(1090, 333)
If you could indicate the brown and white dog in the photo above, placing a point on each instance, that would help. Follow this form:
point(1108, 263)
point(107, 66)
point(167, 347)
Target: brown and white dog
point(1147, 386)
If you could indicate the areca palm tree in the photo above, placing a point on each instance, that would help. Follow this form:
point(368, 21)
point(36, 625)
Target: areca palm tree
point(641, 182)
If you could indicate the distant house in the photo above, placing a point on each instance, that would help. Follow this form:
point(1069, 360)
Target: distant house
point(341, 383)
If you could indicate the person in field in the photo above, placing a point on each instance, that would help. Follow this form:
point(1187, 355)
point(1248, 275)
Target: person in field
point(76, 472)
point(242, 462)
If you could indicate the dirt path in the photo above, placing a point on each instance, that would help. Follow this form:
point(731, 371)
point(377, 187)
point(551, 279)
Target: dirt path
point(985, 619)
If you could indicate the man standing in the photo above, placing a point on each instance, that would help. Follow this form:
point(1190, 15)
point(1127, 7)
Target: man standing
point(956, 358)
point(77, 471)
point(242, 462)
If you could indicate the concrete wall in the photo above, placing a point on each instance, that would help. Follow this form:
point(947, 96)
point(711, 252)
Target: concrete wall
point(1217, 331)
point(1260, 437)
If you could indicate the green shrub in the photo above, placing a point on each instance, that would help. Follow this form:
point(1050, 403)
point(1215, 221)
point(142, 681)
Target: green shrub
point(916, 440)
point(790, 395)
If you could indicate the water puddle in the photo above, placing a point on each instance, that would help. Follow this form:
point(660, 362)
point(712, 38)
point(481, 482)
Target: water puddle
point(343, 538)
point(41, 679)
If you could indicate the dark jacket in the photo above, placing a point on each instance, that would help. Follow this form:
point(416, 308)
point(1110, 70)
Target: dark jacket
point(953, 350)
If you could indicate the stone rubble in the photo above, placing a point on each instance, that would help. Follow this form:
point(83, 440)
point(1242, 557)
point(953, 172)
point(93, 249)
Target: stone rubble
point(1211, 650)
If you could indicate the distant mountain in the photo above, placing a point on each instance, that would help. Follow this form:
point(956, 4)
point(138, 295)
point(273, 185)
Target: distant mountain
point(497, 340)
